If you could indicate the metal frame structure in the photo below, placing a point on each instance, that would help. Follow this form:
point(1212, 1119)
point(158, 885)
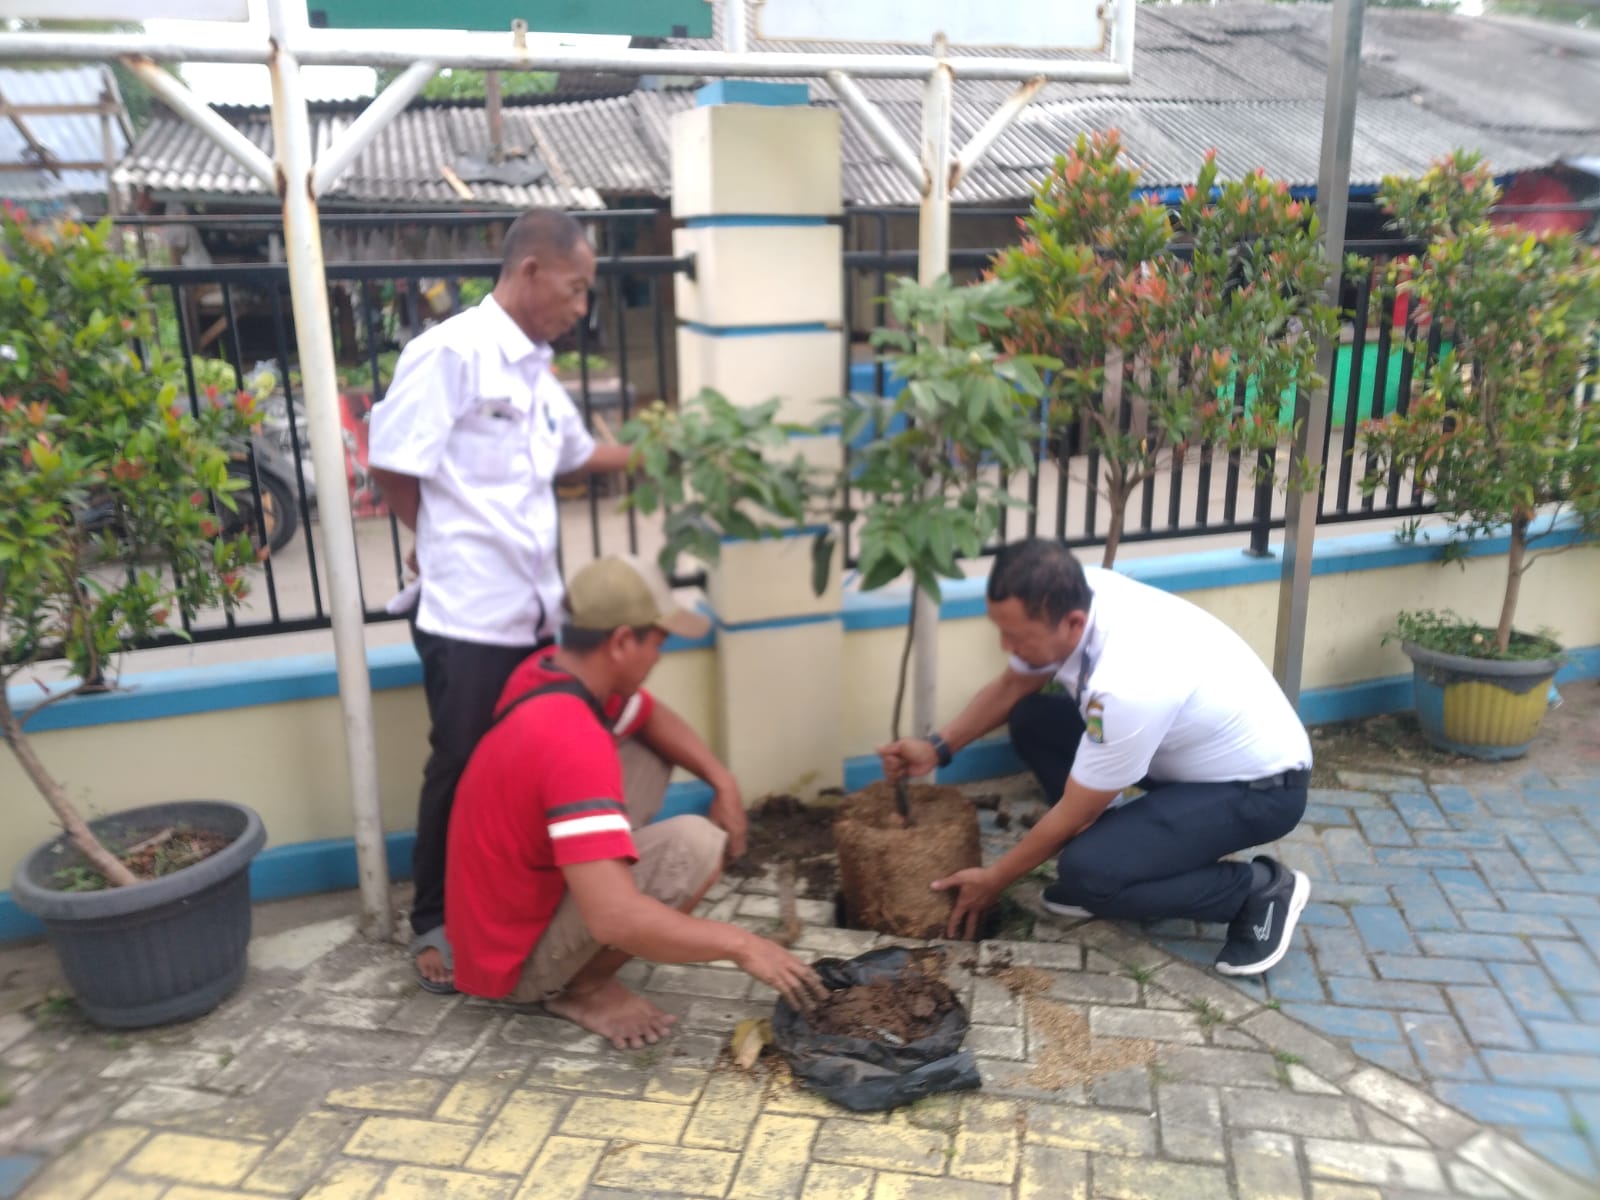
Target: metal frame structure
point(298, 177)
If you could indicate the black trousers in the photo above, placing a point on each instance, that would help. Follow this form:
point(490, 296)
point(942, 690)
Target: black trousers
point(1158, 856)
point(462, 681)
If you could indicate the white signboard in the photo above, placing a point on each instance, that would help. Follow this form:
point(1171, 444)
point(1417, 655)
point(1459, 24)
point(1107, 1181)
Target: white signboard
point(1016, 24)
point(127, 10)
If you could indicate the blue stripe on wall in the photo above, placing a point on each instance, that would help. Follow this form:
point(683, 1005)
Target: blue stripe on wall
point(752, 220)
point(757, 330)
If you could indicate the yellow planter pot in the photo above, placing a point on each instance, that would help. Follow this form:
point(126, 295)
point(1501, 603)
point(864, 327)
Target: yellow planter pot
point(1484, 708)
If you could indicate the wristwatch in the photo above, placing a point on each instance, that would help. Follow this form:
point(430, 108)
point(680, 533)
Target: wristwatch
point(941, 749)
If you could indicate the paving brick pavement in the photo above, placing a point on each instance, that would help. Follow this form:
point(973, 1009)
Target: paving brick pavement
point(1431, 1035)
point(1453, 934)
point(330, 1077)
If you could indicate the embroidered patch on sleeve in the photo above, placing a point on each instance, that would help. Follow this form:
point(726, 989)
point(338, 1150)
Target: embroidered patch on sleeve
point(1094, 719)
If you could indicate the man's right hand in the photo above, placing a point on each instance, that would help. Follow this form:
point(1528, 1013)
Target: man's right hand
point(778, 969)
point(908, 756)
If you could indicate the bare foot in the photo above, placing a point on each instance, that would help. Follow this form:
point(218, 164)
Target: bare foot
point(612, 1011)
point(430, 964)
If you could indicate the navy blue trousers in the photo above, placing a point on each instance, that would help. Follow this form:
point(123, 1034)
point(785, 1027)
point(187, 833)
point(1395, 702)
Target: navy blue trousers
point(1158, 856)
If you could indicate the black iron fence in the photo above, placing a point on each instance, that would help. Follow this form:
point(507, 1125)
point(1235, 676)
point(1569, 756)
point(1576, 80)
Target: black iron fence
point(234, 327)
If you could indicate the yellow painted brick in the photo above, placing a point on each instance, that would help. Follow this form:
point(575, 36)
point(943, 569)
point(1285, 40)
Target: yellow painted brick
point(1052, 1173)
point(1344, 1191)
point(882, 1147)
point(295, 1163)
point(348, 1181)
point(891, 1185)
point(776, 1157)
point(217, 1162)
point(562, 1170)
point(630, 1120)
point(402, 1139)
point(829, 1181)
point(982, 1115)
point(657, 1169)
point(474, 1100)
point(724, 1115)
point(1151, 1179)
point(985, 1157)
point(184, 1192)
point(129, 1189)
point(391, 1095)
point(794, 1100)
point(931, 1112)
point(517, 1133)
point(1091, 1129)
point(415, 1183)
point(85, 1167)
point(676, 1085)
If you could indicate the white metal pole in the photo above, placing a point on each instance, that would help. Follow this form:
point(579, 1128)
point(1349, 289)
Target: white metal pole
point(205, 118)
point(933, 260)
point(878, 127)
point(364, 130)
point(308, 284)
point(737, 26)
point(999, 121)
point(488, 52)
point(1311, 408)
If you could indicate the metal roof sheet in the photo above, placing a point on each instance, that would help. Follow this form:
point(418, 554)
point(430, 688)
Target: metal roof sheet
point(69, 137)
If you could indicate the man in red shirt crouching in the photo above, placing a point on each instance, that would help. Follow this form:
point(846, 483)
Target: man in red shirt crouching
point(555, 876)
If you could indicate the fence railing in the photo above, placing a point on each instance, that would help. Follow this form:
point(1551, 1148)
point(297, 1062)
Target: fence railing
point(241, 316)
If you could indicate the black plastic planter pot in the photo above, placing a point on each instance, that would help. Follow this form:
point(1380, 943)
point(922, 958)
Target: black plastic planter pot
point(168, 950)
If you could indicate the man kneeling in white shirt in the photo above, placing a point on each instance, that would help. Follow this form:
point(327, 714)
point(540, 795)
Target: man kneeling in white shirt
point(1158, 693)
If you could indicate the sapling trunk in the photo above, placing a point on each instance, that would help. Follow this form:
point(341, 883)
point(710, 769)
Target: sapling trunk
point(902, 786)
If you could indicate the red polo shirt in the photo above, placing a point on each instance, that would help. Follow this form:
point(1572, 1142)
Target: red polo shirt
point(542, 790)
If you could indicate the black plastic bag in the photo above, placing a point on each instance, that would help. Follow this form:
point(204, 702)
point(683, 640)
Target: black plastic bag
point(870, 1076)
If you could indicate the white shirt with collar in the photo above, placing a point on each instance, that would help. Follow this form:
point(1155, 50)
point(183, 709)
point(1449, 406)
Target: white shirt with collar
point(1167, 691)
point(475, 414)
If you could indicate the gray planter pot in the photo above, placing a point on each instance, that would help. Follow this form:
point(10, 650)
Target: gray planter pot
point(168, 950)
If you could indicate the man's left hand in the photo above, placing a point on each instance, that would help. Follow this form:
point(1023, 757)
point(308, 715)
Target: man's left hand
point(977, 891)
point(727, 813)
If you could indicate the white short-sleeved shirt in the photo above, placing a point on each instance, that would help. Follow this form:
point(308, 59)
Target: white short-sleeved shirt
point(1168, 692)
point(475, 414)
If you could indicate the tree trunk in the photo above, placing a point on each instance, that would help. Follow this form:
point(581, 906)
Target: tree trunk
point(1514, 569)
point(1118, 505)
point(73, 825)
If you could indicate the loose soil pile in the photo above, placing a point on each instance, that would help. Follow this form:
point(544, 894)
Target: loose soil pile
point(784, 829)
point(898, 1011)
point(885, 866)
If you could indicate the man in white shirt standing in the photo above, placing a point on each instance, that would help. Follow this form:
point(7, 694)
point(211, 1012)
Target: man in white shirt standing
point(466, 446)
point(1158, 693)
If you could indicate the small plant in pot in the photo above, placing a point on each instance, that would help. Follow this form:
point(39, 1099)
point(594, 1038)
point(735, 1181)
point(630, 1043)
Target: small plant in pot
point(1499, 436)
point(926, 491)
point(148, 910)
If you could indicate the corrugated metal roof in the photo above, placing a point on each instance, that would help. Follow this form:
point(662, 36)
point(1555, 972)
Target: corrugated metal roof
point(1245, 78)
point(405, 165)
point(69, 137)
